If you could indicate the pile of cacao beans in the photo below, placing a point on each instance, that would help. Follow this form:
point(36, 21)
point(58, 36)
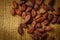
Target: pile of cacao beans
point(36, 14)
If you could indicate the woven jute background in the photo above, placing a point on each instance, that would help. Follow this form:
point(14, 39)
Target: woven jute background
point(9, 24)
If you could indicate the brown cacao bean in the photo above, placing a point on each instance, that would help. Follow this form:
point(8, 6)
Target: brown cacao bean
point(54, 20)
point(46, 22)
point(33, 13)
point(15, 5)
point(27, 18)
point(48, 28)
point(50, 17)
point(31, 30)
point(28, 9)
point(37, 33)
point(33, 23)
point(36, 7)
point(44, 6)
point(45, 15)
point(29, 3)
point(24, 15)
point(20, 30)
point(38, 25)
point(42, 11)
point(56, 12)
point(18, 12)
point(40, 30)
point(39, 2)
point(13, 11)
point(23, 7)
